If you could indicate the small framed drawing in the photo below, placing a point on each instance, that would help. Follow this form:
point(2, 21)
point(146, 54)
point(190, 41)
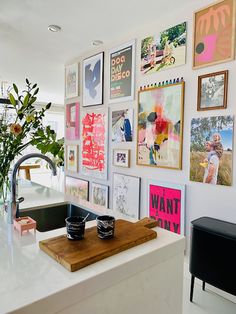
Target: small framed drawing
point(100, 194)
point(72, 81)
point(121, 158)
point(93, 68)
point(72, 157)
point(166, 204)
point(77, 188)
point(122, 66)
point(212, 91)
point(126, 194)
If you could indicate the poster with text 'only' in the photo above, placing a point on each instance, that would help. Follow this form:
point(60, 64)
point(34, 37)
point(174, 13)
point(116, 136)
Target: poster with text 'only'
point(122, 72)
point(94, 144)
point(166, 205)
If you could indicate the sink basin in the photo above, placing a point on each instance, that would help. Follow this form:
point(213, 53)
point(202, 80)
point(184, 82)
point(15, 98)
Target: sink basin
point(53, 217)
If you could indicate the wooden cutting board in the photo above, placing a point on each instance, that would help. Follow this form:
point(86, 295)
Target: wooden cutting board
point(74, 255)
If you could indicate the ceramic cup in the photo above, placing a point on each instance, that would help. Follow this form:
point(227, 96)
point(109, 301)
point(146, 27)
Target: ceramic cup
point(105, 226)
point(75, 227)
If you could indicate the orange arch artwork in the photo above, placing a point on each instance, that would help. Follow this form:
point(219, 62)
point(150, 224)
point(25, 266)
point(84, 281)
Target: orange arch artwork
point(214, 34)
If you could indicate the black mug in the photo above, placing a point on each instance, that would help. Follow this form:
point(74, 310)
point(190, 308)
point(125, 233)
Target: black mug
point(75, 226)
point(105, 226)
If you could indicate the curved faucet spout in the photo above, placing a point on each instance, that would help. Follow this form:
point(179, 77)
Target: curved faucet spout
point(13, 206)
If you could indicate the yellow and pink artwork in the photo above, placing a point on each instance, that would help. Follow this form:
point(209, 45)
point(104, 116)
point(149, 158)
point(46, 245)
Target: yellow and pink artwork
point(214, 33)
point(160, 124)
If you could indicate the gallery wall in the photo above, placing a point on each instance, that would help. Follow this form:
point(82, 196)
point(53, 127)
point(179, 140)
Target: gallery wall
point(201, 199)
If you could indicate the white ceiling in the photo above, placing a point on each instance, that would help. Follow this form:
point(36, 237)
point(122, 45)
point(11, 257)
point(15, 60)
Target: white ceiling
point(28, 49)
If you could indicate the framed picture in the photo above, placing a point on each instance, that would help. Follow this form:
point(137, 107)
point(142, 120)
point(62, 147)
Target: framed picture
point(72, 80)
point(214, 34)
point(72, 157)
point(93, 68)
point(126, 194)
point(94, 143)
point(166, 203)
point(212, 91)
point(76, 188)
point(100, 194)
point(72, 121)
point(165, 50)
point(211, 150)
point(122, 66)
point(122, 125)
point(121, 158)
point(160, 126)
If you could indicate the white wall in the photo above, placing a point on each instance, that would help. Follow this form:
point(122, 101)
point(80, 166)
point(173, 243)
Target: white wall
point(201, 199)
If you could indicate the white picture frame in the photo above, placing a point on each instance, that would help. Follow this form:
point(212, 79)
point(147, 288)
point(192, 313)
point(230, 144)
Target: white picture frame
point(100, 194)
point(72, 81)
point(118, 89)
point(72, 158)
point(121, 158)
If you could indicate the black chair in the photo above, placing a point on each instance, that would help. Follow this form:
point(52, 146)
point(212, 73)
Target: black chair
point(213, 254)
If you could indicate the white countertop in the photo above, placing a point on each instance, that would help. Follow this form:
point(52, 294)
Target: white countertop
point(29, 275)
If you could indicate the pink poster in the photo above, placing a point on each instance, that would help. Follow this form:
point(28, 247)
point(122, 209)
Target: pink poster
point(72, 121)
point(165, 207)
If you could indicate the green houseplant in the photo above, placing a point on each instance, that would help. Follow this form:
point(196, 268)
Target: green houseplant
point(21, 125)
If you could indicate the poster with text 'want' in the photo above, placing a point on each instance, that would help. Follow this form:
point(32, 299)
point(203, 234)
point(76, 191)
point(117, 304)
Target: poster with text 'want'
point(166, 205)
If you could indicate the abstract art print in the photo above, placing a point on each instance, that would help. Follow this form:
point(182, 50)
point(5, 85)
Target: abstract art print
point(93, 80)
point(214, 34)
point(165, 50)
point(212, 91)
point(72, 80)
point(121, 158)
point(166, 203)
point(100, 194)
point(72, 121)
point(94, 143)
point(126, 191)
point(211, 150)
point(76, 188)
point(72, 157)
point(160, 126)
point(122, 125)
point(122, 65)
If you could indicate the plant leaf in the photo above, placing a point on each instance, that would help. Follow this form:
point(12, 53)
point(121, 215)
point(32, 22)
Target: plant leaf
point(12, 99)
point(15, 88)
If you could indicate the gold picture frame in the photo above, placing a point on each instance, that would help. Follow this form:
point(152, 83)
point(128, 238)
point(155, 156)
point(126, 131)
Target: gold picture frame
point(160, 126)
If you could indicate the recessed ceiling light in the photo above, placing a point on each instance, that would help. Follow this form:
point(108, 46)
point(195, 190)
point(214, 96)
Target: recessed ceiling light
point(97, 42)
point(54, 28)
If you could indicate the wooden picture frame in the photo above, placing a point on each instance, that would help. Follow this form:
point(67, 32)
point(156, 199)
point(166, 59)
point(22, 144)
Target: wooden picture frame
point(166, 204)
point(93, 80)
point(211, 36)
point(210, 89)
point(121, 158)
point(72, 158)
point(160, 127)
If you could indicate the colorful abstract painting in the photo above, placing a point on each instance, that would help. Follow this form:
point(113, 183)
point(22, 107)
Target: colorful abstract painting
point(72, 121)
point(76, 189)
point(122, 125)
point(122, 66)
point(160, 124)
point(214, 34)
point(166, 203)
point(126, 191)
point(211, 150)
point(94, 144)
point(164, 50)
point(93, 80)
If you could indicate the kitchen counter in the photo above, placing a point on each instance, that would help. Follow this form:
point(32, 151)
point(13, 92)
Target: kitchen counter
point(135, 281)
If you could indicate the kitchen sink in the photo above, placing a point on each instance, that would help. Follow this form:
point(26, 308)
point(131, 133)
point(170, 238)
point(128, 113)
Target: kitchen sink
point(53, 216)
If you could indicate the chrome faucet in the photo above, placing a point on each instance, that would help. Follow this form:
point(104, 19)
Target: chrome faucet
point(13, 206)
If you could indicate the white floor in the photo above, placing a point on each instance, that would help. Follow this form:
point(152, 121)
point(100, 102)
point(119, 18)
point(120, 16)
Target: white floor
point(205, 302)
